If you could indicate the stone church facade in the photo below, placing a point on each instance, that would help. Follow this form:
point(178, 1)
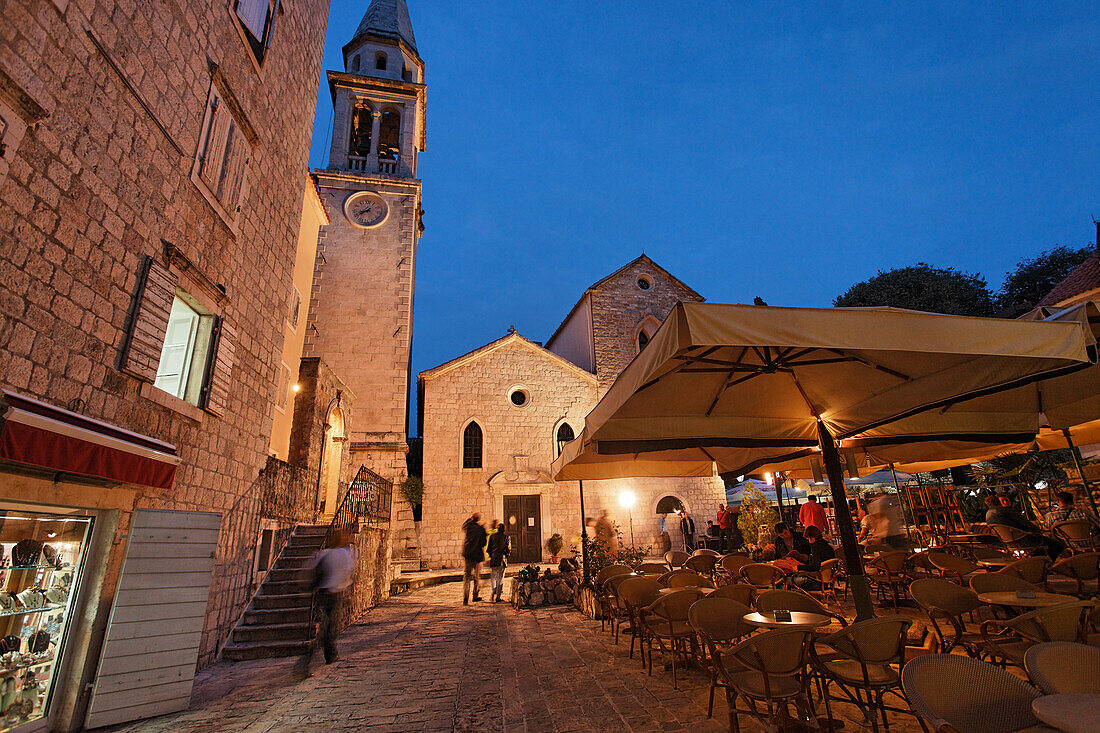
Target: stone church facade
point(492, 420)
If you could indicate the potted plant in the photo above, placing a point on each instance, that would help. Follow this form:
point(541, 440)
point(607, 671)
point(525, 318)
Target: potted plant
point(554, 545)
point(412, 491)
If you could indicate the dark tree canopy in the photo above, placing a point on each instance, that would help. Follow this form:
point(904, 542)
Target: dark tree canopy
point(1034, 278)
point(923, 287)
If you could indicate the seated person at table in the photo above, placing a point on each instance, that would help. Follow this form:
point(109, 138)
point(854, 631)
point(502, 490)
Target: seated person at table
point(1066, 511)
point(866, 526)
point(788, 544)
point(817, 552)
point(1002, 512)
point(712, 529)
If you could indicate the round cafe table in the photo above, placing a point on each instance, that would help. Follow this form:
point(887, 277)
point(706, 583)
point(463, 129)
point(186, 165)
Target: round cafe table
point(666, 591)
point(1009, 598)
point(1070, 713)
point(799, 620)
point(996, 562)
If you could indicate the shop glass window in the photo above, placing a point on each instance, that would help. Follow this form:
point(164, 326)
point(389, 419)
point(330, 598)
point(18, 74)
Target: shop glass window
point(183, 358)
point(43, 556)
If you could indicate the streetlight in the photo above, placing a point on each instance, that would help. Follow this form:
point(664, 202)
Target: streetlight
point(562, 440)
point(626, 500)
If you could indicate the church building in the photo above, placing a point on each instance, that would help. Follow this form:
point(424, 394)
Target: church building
point(493, 420)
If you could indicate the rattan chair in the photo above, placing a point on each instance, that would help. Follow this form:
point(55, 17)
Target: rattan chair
point(603, 597)
point(1009, 639)
point(636, 594)
point(1064, 668)
point(616, 607)
point(762, 575)
point(676, 559)
point(686, 579)
point(946, 602)
point(918, 565)
point(651, 568)
point(952, 566)
point(743, 593)
point(719, 624)
point(1081, 567)
point(768, 668)
point(1016, 539)
point(863, 663)
point(702, 564)
point(731, 566)
point(666, 619)
point(1079, 535)
point(886, 575)
point(826, 578)
point(955, 694)
point(997, 582)
point(1031, 569)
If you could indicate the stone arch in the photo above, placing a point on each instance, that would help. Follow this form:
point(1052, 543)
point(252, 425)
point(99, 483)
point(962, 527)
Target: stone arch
point(389, 134)
point(667, 503)
point(355, 64)
point(644, 332)
point(380, 60)
point(362, 123)
point(559, 432)
point(334, 461)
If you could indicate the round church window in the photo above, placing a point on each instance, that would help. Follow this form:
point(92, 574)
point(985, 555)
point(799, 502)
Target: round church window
point(644, 282)
point(518, 397)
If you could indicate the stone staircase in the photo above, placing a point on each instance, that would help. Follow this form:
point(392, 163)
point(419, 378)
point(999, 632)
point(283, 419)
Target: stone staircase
point(276, 622)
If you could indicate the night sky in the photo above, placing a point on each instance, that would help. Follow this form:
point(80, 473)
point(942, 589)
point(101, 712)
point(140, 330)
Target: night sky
point(775, 149)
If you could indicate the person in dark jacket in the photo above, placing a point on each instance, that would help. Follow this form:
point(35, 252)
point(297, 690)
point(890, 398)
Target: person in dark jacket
point(687, 527)
point(500, 544)
point(817, 552)
point(788, 544)
point(473, 553)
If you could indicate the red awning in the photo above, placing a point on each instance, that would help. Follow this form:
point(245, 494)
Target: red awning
point(40, 434)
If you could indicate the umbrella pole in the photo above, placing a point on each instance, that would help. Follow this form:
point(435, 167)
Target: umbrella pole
point(584, 537)
point(861, 592)
point(901, 498)
point(1080, 471)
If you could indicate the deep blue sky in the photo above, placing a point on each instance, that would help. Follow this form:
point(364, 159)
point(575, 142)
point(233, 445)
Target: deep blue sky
point(775, 149)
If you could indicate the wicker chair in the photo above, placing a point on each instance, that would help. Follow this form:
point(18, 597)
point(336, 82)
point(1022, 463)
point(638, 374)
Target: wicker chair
point(826, 577)
point(676, 559)
point(863, 664)
point(706, 551)
point(1078, 534)
point(1080, 567)
point(740, 592)
point(731, 566)
point(636, 594)
point(918, 565)
point(996, 582)
point(701, 564)
point(1017, 540)
point(952, 566)
point(1064, 668)
point(945, 601)
point(886, 575)
point(762, 575)
point(603, 593)
point(667, 619)
point(1031, 569)
point(617, 607)
point(954, 694)
point(651, 568)
point(767, 668)
point(1008, 640)
point(686, 579)
point(719, 624)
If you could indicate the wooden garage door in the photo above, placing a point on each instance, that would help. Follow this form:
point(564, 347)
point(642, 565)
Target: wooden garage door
point(148, 662)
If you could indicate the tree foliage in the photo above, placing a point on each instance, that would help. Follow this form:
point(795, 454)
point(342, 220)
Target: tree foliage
point(925, 288)
point(1035, 277)
point(755, 511)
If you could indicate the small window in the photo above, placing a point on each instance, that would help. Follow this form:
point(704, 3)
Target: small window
point(380, 61)
point(355, 64)
point(471, 446)
point(519, 397)
point(295, 306)
point(645, 282)
point(223, 156)
point(361, 124)
point(282, 390)
point(183, 357)
point(389, 134)
point(565, 434)
point(254, 17)
point(643, 339)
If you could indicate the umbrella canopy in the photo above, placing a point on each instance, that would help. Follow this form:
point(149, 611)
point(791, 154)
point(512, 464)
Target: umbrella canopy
point(741, 384)
point(880, 477)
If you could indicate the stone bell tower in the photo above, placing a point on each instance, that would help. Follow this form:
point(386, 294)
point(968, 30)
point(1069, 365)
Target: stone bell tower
point(360, 322)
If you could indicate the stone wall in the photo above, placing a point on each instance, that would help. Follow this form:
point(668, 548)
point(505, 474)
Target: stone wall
point(97, 185)
point(371, 582)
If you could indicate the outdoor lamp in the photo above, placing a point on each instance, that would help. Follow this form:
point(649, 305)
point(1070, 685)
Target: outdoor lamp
point(626, 499)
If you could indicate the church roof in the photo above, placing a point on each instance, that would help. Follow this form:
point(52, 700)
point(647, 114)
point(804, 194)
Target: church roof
point(390, 19)
point(511, 337)
point(1080, 280)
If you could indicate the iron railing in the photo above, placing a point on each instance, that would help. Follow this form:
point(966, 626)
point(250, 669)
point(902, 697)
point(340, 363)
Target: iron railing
point(287, 494)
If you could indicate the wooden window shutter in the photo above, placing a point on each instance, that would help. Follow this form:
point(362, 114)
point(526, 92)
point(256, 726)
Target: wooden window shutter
point(213, 161)
point(221, 369)
point(156, 290)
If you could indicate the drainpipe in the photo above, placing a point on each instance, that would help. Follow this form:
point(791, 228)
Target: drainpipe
point(335, 402)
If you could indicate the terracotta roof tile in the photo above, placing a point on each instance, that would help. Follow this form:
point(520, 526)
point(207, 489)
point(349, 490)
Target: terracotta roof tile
point(1083, 278)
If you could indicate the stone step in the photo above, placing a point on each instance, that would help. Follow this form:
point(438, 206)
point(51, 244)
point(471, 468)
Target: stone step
point(269, 616)
point(291, 563)
point(271, 632)
point(306, 541)
point(289, 600)
point(283, 575)
point(283, 587)
point(263, 649)
point(299, 551)
point(311, 529)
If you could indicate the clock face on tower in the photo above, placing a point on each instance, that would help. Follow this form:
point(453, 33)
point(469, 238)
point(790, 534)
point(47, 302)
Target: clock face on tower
point(365, 209)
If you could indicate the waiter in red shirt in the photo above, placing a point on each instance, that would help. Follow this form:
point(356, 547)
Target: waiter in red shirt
point(724, 528)
point(813, 515)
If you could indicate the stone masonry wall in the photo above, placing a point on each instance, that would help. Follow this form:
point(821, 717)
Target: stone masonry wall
point(104, 178)
point(619, 307)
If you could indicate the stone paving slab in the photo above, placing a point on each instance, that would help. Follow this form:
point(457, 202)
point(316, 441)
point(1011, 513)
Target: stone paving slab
point(424, 662)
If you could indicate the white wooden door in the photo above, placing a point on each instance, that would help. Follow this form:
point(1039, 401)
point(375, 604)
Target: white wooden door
point(148, 661)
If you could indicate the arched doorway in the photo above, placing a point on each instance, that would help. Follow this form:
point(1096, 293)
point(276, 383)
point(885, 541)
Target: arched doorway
point(669, 505)
point(334, 459)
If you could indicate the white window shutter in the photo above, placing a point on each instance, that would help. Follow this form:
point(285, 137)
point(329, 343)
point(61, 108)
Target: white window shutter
point(221, 374)
point(150, 321)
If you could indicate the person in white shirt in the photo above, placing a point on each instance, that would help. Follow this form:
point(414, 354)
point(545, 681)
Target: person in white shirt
point(330, 573)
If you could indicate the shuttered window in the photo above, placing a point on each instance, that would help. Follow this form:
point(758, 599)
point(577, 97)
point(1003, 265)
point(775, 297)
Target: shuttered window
point(223, 156)
point(156, 293)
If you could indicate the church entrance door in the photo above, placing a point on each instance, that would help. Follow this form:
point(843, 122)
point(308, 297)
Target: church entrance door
point(524, 517)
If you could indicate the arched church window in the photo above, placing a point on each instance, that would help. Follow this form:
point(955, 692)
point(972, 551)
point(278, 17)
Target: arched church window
point(380, 61)
point(355, 64)
point(360, 131)
point(471, 446)
point(389, 134)
point(565, 434)
point(643, 339)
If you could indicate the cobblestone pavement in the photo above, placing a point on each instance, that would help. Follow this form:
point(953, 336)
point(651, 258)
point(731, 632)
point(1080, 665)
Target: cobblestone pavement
point(424, 662)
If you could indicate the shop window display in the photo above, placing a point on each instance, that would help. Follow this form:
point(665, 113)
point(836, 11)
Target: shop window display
point(41, 555)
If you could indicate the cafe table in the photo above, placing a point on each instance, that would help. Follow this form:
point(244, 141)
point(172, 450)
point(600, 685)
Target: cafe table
point(666, 591)
point(1041, 599)
point(799, 620)
point(1078, 713)
point(996, 562)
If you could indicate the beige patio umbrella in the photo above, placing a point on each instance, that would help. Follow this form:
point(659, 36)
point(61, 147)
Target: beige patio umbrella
point(741, 384)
